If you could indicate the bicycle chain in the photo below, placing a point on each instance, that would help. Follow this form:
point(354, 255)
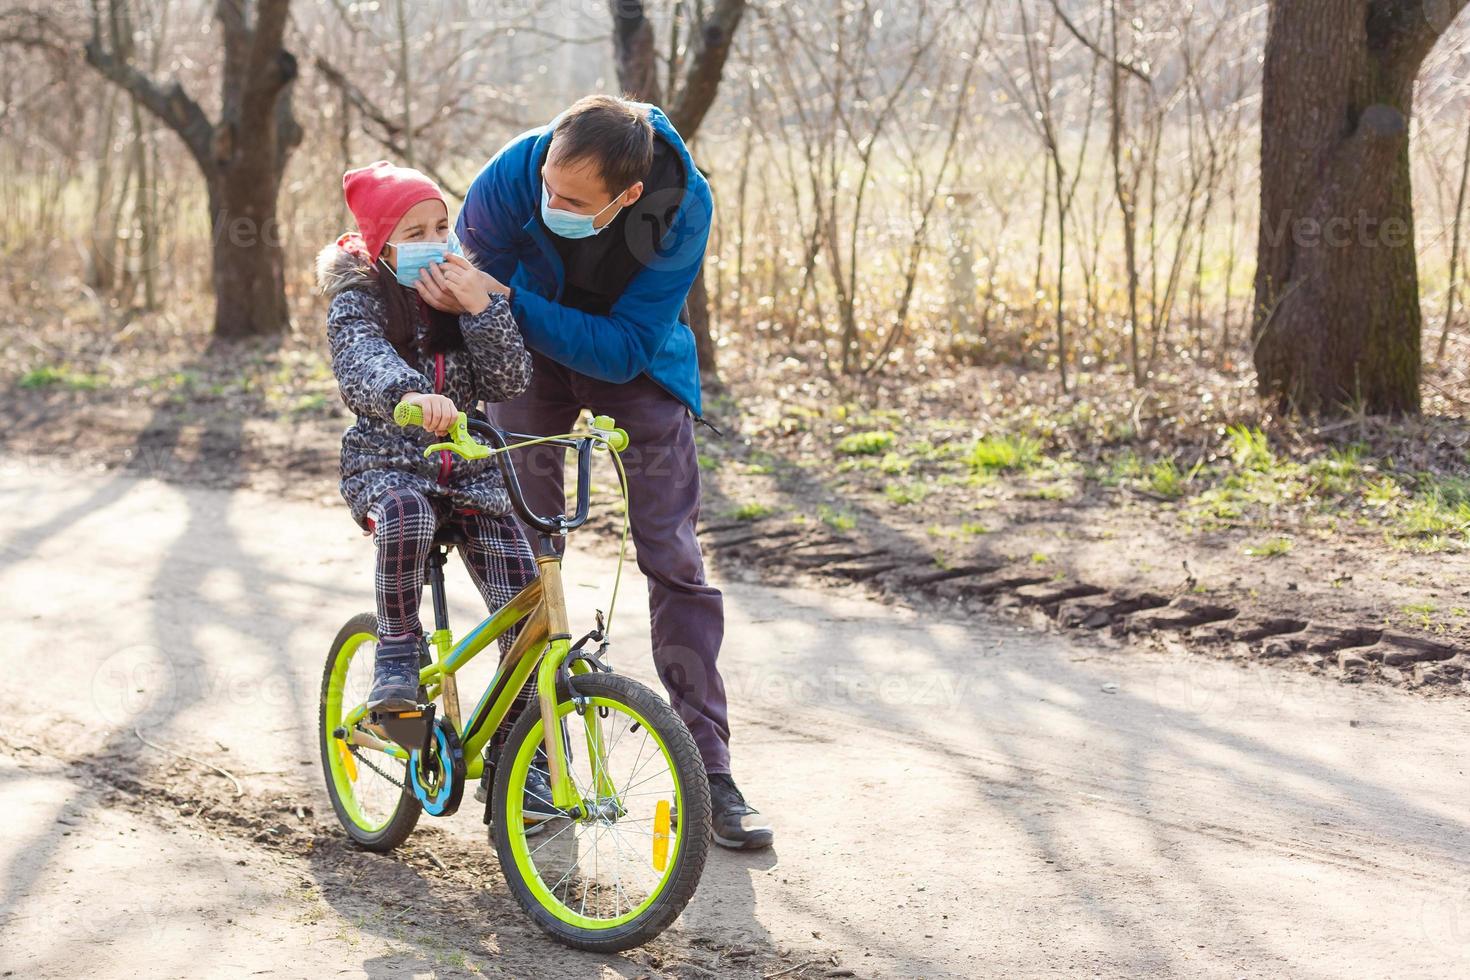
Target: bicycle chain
point(364, 760)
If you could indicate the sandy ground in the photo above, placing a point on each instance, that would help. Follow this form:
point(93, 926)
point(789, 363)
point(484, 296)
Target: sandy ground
point(952, 798)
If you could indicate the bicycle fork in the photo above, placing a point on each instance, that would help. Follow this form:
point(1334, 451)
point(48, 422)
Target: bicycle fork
point(564, 793)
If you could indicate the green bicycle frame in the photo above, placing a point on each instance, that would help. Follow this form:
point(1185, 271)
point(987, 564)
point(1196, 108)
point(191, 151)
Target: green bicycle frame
point(543, 645)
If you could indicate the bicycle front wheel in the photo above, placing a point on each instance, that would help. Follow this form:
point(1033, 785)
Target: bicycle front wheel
point(618, 872)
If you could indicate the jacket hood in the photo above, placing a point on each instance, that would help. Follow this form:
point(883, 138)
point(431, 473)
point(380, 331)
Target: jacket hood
point(338, 270)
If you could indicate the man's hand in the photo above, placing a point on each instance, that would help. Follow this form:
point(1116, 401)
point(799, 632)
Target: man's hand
point(439, 411)
point(471, 287)
point(436, 292)
point(456, 286)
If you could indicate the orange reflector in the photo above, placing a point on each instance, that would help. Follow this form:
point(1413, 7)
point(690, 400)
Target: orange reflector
point(409, 714)
point(348, 762)
point(661, 835)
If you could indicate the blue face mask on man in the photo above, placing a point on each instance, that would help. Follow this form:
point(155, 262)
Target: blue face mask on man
point(570, 224)
point(414, 257)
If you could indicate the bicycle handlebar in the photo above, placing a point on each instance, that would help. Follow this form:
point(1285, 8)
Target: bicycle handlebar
point(603, 432)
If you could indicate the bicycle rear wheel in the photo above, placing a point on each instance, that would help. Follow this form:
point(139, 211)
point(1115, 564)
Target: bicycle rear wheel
point(619, 873)
point(369, 789)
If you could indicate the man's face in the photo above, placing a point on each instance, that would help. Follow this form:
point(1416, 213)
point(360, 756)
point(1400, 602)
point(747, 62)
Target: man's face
point(577, 186)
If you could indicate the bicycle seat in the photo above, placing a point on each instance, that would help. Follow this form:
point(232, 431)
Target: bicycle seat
point(449, 537)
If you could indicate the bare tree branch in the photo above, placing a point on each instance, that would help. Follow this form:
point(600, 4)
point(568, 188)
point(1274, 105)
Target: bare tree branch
point(372, 111)
point(704, 66)
point(1093, 46)
point(172, 105)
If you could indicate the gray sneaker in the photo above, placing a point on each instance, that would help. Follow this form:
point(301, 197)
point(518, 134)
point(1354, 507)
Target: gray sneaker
point(396, 674)
point(536, 806)
point(735, 823)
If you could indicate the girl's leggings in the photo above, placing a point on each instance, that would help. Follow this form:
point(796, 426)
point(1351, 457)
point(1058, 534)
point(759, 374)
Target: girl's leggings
point(497, 557)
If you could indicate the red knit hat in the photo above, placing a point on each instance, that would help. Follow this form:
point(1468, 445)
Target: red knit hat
point(380, 194)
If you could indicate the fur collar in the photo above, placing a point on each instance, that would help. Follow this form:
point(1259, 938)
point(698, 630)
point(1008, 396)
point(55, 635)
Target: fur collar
point(338, 270)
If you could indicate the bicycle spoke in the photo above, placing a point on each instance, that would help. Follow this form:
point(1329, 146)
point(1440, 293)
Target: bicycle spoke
point(605, 867)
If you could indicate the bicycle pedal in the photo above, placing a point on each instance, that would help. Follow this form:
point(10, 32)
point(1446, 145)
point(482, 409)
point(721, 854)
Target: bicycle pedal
point(411, 728)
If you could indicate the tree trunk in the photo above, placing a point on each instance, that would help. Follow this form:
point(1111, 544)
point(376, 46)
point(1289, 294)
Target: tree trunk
point(704, 344)
point(1337, 319)
point(248, 260)
point(692, 86)
point(633, 49)
point(242, 156)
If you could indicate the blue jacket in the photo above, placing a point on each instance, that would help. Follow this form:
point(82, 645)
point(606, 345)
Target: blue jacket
point(500, 227)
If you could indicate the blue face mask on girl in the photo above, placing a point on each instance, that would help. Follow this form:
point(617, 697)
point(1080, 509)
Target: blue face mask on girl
point(570, 224)
point(414, 257)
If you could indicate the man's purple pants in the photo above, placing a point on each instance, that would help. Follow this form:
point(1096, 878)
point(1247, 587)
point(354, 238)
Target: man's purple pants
point(686, 612)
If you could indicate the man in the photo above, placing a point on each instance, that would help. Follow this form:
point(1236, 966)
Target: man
point(596, 225)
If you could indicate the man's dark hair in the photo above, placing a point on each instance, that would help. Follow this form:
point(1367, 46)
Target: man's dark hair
point(612, 134)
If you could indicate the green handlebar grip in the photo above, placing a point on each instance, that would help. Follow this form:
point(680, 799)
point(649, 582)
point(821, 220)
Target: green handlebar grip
point(616, 438)
point(458, 437)
point(408, 414)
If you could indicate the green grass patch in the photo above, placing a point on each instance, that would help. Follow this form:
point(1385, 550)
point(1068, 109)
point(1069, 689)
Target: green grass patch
point(904, 494)
point(1270, 548)
point(1421, 613)
point(310, 404)
point(1122, 468)
point(866, 443)
point(1050, 491)
point(53, 377)
point(1338, 473)
point(1249, 448)
point(1005, 454)
point(836, 520)
point(893, 464)
point(752, 512)
point(1166, 480)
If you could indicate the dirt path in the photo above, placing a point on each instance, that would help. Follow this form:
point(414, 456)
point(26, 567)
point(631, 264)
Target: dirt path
point(953, 798)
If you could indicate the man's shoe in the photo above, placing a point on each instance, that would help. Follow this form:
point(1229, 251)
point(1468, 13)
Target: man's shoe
point(736, 824)
point(396, 675)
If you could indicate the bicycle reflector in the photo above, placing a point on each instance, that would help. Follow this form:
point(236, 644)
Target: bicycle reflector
point(661, 835)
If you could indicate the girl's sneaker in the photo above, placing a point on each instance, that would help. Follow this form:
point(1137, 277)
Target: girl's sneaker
point(396, 674)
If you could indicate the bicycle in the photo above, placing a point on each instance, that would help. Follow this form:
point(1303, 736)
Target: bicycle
point(629, 834)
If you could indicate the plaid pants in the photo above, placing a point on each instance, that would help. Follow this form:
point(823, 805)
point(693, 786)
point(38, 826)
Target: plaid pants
point(497, 557)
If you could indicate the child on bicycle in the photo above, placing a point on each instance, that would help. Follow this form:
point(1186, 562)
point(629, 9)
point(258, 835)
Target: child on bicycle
point(389, 346)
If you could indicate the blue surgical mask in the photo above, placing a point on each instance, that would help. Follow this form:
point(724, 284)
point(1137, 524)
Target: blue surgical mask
point(414, 257)
point(570, 224)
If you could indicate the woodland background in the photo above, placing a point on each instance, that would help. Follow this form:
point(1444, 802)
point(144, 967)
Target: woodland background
point(989, 277)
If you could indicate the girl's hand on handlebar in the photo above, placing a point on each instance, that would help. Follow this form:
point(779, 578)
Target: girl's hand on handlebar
point(439, 411)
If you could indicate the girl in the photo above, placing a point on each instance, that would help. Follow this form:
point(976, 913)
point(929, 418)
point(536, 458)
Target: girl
point(389, 346)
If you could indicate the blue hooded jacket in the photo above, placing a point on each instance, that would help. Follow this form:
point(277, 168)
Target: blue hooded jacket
point(501, 229)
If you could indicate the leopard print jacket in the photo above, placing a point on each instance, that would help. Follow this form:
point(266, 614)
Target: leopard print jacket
point(378, 454)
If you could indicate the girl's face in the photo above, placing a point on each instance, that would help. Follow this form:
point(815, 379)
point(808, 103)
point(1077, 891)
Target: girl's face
point(426, 221)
